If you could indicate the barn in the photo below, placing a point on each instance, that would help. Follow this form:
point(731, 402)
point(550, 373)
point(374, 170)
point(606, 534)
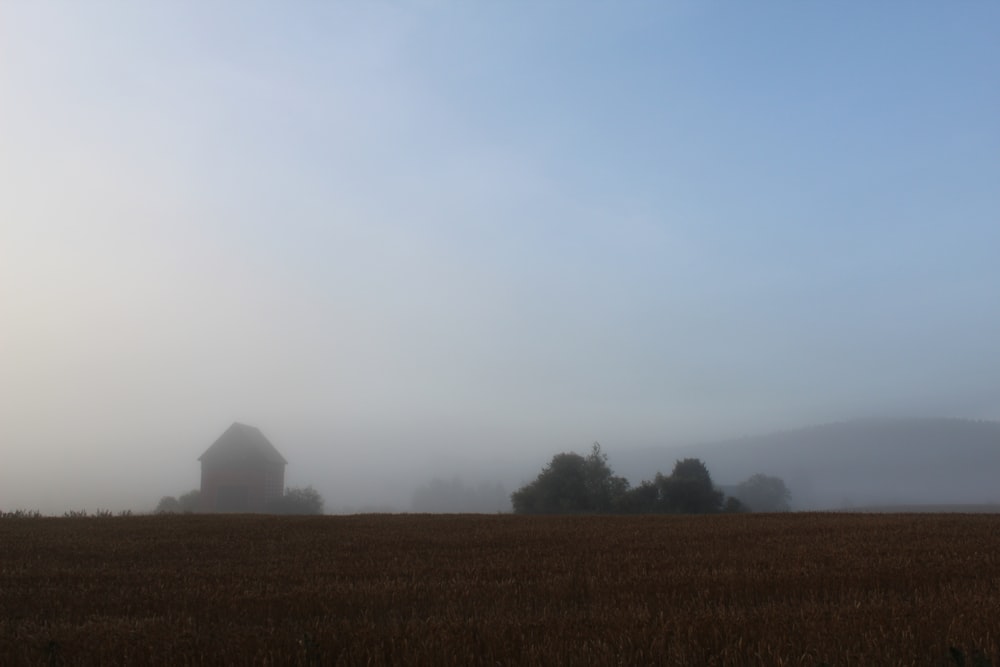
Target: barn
point(241, 472)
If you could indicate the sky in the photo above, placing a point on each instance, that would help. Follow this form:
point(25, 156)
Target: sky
point(416, 238)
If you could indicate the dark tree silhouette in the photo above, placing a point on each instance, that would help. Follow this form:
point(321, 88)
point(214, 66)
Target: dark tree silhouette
point(689, 489)
point(571, 483)
point(642, 499)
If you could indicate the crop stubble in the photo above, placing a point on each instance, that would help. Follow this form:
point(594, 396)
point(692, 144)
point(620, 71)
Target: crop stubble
point(793, 589)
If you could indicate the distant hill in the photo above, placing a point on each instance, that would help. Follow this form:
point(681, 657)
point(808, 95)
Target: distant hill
point(863, 463)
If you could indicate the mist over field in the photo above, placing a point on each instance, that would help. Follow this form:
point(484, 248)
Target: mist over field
point(439, 242)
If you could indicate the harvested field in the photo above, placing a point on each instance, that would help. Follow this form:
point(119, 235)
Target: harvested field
point(794, 589)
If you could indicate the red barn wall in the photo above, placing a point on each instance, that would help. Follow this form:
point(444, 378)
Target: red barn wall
point(240, 487)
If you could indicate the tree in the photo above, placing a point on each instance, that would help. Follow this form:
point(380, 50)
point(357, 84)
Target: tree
point(689, 489)
point(297, 501)
point(604, 488)
point(762, 493)
point(571, 483)
point(642, 499)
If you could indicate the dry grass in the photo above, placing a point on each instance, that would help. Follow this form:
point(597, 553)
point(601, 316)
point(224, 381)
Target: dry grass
point(429, 590)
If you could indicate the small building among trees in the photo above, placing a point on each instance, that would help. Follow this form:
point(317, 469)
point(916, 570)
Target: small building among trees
point(241, 472)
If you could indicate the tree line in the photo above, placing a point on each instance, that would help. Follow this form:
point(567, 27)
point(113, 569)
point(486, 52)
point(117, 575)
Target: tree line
point(572, 483)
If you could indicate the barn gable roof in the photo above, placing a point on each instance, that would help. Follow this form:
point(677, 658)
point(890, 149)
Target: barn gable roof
point(242, 443)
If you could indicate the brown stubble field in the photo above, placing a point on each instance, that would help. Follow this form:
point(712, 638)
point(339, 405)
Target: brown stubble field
point(793, 589)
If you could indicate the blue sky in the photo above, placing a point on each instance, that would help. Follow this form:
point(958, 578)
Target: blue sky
point(487, 232)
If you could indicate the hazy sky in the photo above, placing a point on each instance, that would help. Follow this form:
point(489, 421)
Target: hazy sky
point(415, 235)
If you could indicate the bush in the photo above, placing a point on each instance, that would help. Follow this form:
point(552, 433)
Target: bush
point(297, 501)
point(188, 503)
